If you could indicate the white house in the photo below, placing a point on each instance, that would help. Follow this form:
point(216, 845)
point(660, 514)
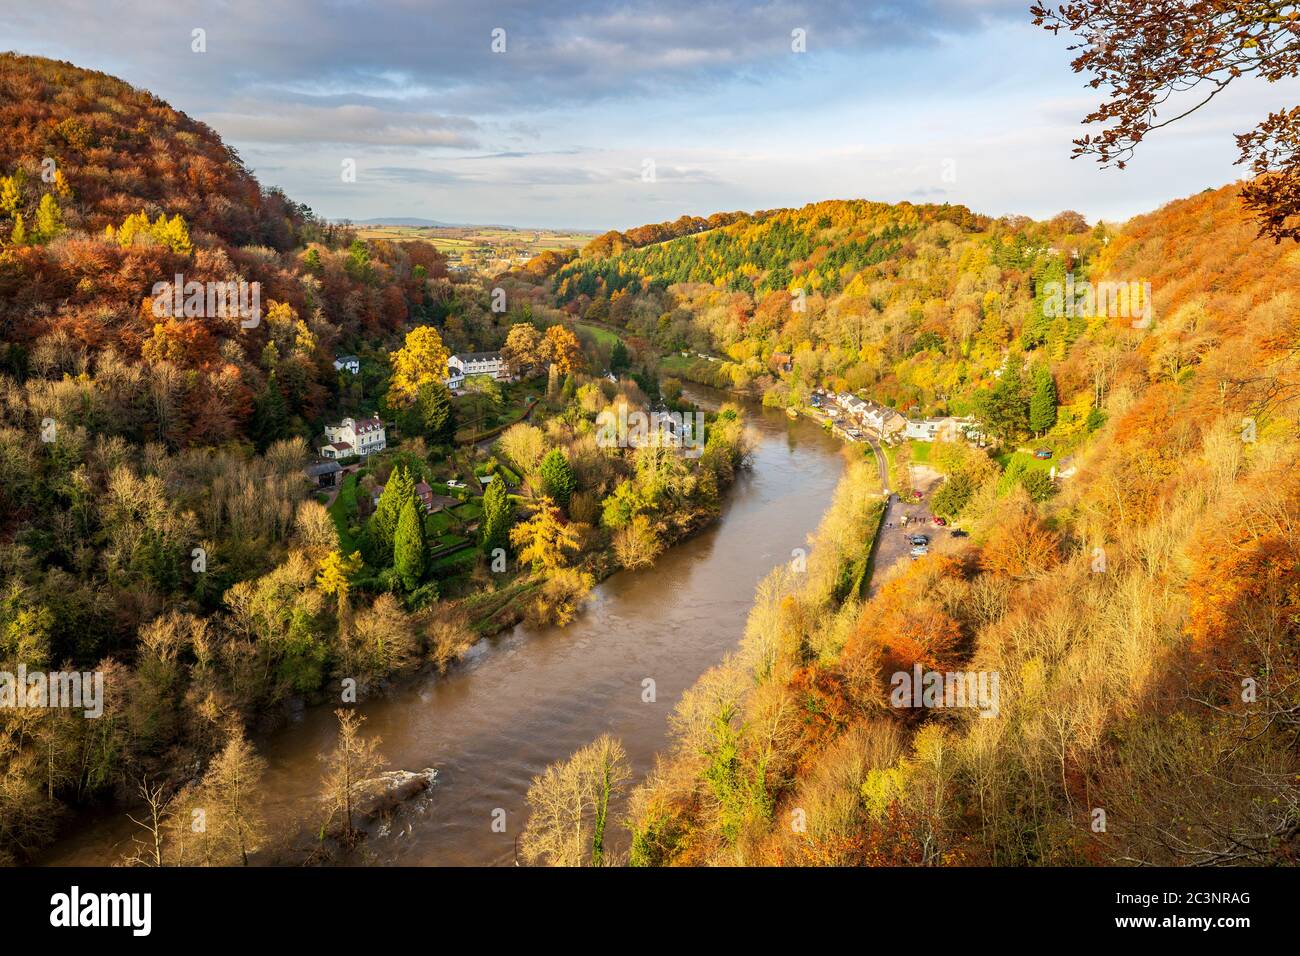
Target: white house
point(352, 437)
point(477, 363)
point(349, 363)
point(949, 429)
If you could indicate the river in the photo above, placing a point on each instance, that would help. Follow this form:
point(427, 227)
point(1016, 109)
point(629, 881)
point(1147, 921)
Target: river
point(528, 697)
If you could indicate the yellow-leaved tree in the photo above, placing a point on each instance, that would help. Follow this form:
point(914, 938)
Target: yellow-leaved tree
point(335, 570)
point(562, 349)
point(421, 360)
point(543, 538)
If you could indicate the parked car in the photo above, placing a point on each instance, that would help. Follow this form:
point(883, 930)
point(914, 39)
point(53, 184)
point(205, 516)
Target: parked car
point(939, 521)
point(455, 483)
point(958, 533)
point(917, 495)
point(919, 551)
point(919, 540)
point(1043, 453)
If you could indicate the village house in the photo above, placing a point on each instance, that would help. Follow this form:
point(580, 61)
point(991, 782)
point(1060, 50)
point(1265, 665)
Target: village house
point(347, 363)
point(781, 362)
point(428, 500)
point(323, 474)
point(886, 422)
point(353, 437)
point(466, 364)
point(948, 429)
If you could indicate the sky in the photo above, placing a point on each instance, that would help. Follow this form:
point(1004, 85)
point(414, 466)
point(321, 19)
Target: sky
point(595, 115)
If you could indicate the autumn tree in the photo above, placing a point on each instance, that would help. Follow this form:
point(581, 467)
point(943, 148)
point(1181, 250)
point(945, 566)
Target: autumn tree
point(637, 544)
point(542, 539)
point(336, 570)
point(49, 219)
point(562, 349)
point(523, 348)
point(569, 806)
point(228, 797)
point(1147, 53)
point(159, 810)
point(354, 759)
point(421, 360)
point(1020, 547)
point(523, 445)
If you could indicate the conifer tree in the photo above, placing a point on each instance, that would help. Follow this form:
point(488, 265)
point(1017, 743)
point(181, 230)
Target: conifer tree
point(1042, 404)
point(270, 417)
point(409, 546)
point(557, 477)
point(498, 513)
point(399, 490)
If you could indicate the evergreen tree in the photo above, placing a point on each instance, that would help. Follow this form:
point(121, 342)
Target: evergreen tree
point(1042, 405)
point(557, 476)
point(409, 548)
point(498, 513)
point(619, 360)
point(399, 490)
point(270, 417)
point(1049, 303)
point(437, 417)
point(1004, 409)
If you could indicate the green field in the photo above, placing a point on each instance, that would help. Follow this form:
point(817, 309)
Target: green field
point(480, 248)
point(603, 337)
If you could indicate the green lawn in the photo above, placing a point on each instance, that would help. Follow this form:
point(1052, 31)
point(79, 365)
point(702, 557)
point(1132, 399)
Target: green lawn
point(1019, 463)
point(1024, 461)
point(459, 561)
point(436, 523)
point(920, 451)
point(602, 336)
point(469, 511)
point(343, 511)
point(676, 364)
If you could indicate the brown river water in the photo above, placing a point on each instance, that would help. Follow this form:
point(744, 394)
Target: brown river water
point(527, 697)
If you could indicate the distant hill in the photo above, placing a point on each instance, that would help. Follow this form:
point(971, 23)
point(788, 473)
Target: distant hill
point(409, 221)
point(106, 191)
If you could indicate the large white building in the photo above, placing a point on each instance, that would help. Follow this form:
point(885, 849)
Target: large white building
point(948, 429)
point(352, 437)
point(463, 365)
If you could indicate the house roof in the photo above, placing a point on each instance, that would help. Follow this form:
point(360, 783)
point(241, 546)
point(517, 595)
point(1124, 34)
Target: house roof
point(339, 445)
point(478, 356)
point(322, 468)
point(346, 358)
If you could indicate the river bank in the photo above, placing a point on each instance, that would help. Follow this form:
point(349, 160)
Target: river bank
point(527, 697)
